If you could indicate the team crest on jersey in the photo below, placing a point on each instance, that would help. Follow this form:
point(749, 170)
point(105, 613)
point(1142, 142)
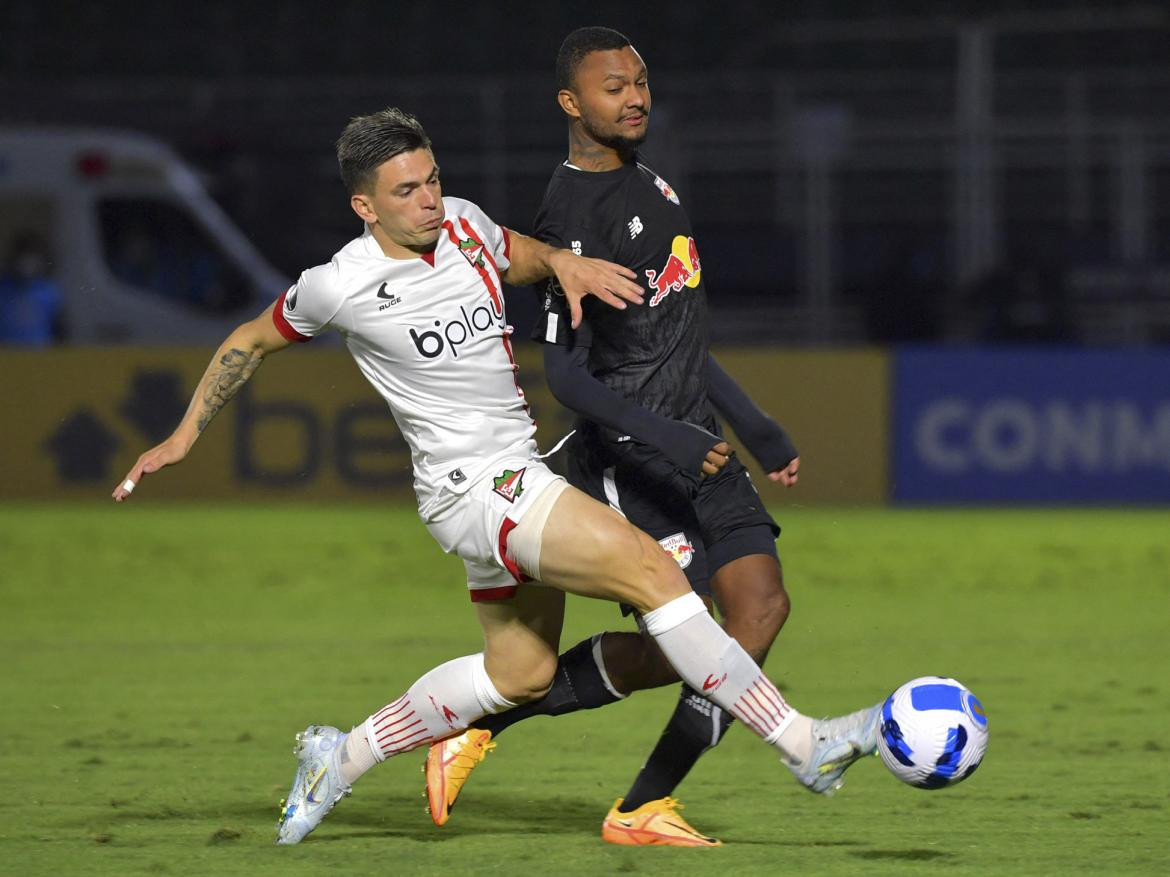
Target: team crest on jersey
point(667, 192)
point(682, 268)
point(680, 548)
point(472, 251)
point(508, 484)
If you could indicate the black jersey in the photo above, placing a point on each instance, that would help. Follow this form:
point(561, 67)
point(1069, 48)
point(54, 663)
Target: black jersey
point(654, 354)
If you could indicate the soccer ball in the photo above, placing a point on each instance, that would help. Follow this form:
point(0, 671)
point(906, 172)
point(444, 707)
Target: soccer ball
point(933, 733)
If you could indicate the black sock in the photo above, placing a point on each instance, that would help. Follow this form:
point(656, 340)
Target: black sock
point(577, 685)
point(696, 726)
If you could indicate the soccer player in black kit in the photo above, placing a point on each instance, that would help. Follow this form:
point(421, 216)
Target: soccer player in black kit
point(647, 441)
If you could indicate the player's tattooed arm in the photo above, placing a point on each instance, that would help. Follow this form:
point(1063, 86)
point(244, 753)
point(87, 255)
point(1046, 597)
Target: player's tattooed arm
point(578, 276)
point(233, 364)
point(235, 367)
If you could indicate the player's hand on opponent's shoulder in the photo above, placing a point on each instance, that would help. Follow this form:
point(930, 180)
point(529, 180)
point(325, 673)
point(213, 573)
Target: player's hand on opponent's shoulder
point(169, 452)
point(580, 276)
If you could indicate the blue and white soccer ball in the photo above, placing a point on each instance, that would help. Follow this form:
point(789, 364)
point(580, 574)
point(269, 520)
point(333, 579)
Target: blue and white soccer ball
point(933, 733)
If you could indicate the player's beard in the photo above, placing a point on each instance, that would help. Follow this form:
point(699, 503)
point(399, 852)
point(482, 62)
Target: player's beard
point(623, 145)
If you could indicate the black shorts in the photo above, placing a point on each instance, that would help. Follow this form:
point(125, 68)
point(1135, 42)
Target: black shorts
point(703, 523)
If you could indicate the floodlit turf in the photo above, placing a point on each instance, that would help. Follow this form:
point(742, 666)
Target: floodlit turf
point(159, 659)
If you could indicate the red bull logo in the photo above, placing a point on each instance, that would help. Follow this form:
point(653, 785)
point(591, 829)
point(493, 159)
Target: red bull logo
point(682, 268)
point(678, 547)
point(666, 190)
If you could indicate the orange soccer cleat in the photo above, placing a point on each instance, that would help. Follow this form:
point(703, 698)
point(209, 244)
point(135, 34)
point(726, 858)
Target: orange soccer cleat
point(655, 823)
point(449, 764)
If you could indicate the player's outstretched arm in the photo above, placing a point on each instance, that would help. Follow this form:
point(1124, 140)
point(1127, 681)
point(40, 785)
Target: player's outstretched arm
point(764, 437)
point(690, 447)
point(234, 362)
point(578, 276)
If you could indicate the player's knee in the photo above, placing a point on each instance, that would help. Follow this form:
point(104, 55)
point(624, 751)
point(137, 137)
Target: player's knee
point(654, 576)
point(776, 608)
point(756, 620)
point(528, 682)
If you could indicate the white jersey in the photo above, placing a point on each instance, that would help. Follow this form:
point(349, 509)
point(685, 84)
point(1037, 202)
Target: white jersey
point(431, 336)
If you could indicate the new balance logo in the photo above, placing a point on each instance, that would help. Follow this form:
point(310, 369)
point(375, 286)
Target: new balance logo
point(635, 226)
point(391, 298)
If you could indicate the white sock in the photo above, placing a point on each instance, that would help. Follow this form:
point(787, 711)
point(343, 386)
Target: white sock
point(357, 757)
point(717, 667)
point(441, 703)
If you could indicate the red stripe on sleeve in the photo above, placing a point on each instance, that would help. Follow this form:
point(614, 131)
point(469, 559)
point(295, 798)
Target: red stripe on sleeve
point(507, 243)
point(283, 326)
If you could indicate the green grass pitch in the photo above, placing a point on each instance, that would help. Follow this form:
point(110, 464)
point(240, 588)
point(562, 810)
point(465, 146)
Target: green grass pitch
point(158, 660)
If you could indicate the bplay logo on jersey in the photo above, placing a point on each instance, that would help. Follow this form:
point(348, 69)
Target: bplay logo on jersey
point(682, 268)
point(680, 548)
point(449, 335)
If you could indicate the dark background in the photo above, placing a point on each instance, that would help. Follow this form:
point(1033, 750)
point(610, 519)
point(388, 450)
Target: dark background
point(856, 172)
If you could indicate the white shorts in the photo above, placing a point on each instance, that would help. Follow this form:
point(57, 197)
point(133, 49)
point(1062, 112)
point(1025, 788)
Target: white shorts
point(496, 526)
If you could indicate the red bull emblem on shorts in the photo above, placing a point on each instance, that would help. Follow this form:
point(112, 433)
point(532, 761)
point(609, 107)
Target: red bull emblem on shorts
point(682, 268)
point(678, 547)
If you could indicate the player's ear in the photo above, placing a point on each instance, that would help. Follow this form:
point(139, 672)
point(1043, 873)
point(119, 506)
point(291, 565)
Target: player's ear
point(363, 207)
point(568, 102)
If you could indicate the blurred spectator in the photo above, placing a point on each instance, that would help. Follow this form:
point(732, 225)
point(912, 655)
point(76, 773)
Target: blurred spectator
point(30, 300)
point(134, 258)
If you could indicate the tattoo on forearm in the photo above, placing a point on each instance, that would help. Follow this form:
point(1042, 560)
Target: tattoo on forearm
point(235, 367)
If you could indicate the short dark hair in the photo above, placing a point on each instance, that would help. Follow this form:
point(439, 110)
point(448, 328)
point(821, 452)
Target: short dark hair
point(367, 141)
point(580, 43)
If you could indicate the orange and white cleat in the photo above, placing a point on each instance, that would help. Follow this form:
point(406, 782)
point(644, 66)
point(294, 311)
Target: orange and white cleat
point(655, 823)
point(449, 764)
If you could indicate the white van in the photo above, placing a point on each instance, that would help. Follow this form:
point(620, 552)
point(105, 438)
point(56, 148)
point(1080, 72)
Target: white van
point(140, 251)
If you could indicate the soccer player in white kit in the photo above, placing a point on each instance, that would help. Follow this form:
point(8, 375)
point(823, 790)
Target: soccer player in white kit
point(418, 300)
